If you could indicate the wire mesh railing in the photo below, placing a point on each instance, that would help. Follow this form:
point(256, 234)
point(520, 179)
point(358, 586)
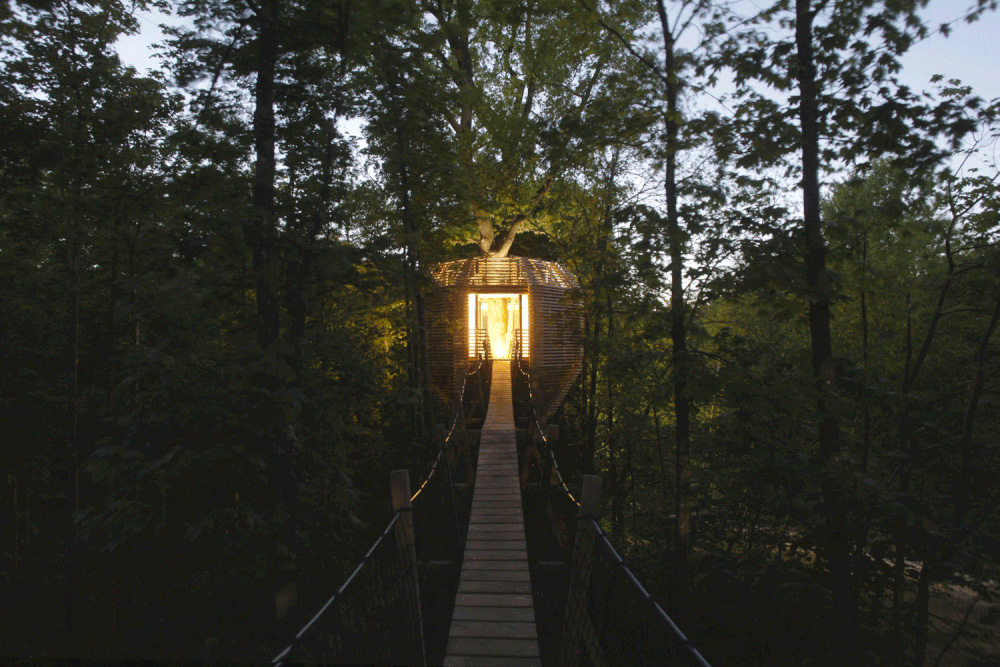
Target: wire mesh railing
point(388, 609)
point(551, 497)
point(379, 599)
point(607, 616)
point(610, 618)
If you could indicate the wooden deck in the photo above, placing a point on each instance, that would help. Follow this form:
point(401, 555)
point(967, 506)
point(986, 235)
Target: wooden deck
point(494, 620)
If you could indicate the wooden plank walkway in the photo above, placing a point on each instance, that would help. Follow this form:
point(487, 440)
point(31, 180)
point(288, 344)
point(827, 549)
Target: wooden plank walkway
point(494, 620)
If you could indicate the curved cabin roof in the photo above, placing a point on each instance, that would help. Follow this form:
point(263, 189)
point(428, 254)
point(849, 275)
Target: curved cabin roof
point(502, 273)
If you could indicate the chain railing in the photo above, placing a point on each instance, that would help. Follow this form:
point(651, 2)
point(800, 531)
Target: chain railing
point(387, 610)
point(606, 616)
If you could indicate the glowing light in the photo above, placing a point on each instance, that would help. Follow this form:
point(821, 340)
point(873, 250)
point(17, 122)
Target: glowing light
point(472, 325)
point(499, 317)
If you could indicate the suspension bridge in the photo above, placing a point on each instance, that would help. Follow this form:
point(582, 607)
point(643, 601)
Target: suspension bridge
point(493, 560)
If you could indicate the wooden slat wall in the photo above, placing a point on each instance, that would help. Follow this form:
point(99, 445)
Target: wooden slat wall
point(555, 327)
point(440, 348)
point(556, 342)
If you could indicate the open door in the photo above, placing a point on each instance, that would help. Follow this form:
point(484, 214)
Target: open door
point(497, 319)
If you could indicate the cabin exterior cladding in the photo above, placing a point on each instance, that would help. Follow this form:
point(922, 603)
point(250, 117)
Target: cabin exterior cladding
point(555, 321)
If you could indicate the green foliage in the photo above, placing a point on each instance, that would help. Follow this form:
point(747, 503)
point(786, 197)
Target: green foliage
point(124, 199)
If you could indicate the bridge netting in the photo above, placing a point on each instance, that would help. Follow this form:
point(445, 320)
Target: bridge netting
point(606, 615)
point(387, 611)
point(396, 605)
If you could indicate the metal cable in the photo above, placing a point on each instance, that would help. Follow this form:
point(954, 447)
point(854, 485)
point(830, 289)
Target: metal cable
point(332, 606)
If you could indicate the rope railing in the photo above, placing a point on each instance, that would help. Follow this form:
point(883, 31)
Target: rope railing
point(609, 618)
point(383, 612)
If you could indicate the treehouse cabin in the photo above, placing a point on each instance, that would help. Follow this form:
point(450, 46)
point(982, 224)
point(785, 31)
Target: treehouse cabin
point(505, 308)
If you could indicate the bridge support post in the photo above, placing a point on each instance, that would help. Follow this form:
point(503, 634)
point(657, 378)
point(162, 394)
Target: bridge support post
point(578, 635)
point(545, 464)
point(440, 440)
point(399, 486)
point(531, 454)
point(536, 400)
point(480, 391)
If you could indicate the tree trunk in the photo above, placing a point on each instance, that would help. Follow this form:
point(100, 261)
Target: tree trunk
point(262, 232)
point(922, 604)
point(678, 329)
point(72, 453)
point(911, 372)
point(613, 458)
point(818, 285)
point(866, 426)
point(592, 406)
point(262, 236)
point(965, 442)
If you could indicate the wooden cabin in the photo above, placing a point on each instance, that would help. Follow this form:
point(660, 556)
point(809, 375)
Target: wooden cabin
point(505, 308)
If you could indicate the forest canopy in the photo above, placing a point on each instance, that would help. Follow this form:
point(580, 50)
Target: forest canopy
point(212, 308)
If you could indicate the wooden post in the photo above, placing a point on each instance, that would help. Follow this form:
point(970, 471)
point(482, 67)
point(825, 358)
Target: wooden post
point(590, 497)
point(529, 456)
point(579, 635)
point(482, 390)
point(463, 437)
point(439, 441)
point(545, 464)
point(536, 400)
point(399, 486)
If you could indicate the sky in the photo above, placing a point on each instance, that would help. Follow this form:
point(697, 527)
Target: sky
point(971, 53)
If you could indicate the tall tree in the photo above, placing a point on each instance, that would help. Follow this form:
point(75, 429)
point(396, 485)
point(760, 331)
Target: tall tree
point(844, 98)
point(669, 68)
point(522, 80)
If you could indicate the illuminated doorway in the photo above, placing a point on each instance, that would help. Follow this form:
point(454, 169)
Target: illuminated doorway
point(500, 319)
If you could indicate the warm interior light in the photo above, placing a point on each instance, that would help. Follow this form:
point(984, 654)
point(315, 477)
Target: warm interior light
point(500, 326)
point(525, 337)
point(499, 316)
point(472, 325)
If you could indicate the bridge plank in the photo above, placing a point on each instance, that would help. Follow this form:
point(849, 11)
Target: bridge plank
point(498, 554)
point(496, 519)
point(491, 661)
point(507, 647)
point(522, 614)
point(495, 575)
point(492, 600)
point(502, 543)
point(496, 564)
point(511, 527)
point(494, 535)
point(494, 618)
point(498, 629)
point(513, 587)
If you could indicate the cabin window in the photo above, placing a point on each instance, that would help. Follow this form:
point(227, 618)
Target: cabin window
point(501, 321)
